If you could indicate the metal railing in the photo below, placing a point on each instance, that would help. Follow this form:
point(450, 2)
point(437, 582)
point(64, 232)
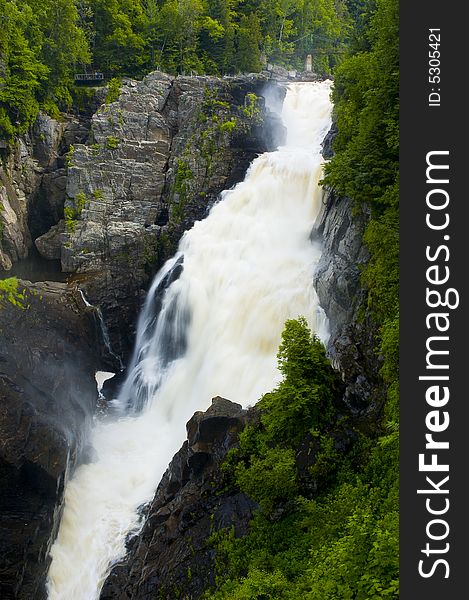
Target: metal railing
point(89, 76)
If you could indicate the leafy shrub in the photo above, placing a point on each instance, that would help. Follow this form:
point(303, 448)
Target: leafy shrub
point(69, 156)
point(251, 106)
point(229, 126)
point(113, 90)
point(112, 142)
point(73, 213)
point(270, 478)
point(9, 292)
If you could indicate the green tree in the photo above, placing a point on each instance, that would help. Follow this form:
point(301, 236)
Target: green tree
point(9, 293)
point(248, 39)
point(120, 26)
point(180, 23)
point(303, 400)
point(62, 45)
point(21, 72)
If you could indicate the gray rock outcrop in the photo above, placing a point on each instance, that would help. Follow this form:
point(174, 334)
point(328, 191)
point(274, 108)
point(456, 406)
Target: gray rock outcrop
point(15, 239)
point(50, 244)
point(337, 276)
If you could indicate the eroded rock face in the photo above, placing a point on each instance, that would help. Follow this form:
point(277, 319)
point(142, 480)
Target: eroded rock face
point(352, 344)
point(48, 135)
point(33, 182)
point(171, 555)
point(337, 276)
point(327, 144)
point(20, 177)
point(15, 239)
point(47, 399)
point(50, 244)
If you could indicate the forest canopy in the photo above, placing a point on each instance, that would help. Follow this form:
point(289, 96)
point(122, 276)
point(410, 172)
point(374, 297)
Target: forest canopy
point(43, 43)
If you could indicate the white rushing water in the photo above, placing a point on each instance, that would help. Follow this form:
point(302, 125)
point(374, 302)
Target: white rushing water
point(246, 269)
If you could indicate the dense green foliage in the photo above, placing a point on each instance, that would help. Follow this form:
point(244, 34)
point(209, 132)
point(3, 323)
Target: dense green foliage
point(329, 531)
point(342, 541)
point(301, 406)
point(40, 44)
point(10, 292)
point(43, 43)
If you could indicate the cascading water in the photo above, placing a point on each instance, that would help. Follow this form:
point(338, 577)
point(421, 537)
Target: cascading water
point(211, 326)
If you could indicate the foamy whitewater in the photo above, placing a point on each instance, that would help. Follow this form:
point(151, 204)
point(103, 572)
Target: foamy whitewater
point(247, 268)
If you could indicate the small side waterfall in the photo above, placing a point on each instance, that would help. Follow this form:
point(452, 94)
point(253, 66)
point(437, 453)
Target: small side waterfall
point(103, 329)
point(211, 326)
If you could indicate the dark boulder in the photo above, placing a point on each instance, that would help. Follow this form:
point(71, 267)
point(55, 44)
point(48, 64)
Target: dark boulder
point(328, 143)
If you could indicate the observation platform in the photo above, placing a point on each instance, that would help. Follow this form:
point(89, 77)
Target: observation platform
point(94, 78)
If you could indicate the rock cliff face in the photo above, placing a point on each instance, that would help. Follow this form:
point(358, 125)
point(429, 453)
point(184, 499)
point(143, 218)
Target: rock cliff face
point(15, 239)
point(155, 161)
point(171, 557)
point(337, 276)
point(47, 399)
point(337, 282)
point(351, 346)
point(33, 182)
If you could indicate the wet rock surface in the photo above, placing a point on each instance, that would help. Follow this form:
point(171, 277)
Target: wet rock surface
point(171, 557)
point(337, 276)
point(351, 346)
point(47, 399)
point(327, 145)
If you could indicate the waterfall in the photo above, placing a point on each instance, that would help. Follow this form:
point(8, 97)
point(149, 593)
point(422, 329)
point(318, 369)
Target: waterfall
point(211, 326)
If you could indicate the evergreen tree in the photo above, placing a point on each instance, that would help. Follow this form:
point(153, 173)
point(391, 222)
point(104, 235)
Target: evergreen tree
point(43, 42)
point(63, 47)
point(120, 47)
point(248, 55)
